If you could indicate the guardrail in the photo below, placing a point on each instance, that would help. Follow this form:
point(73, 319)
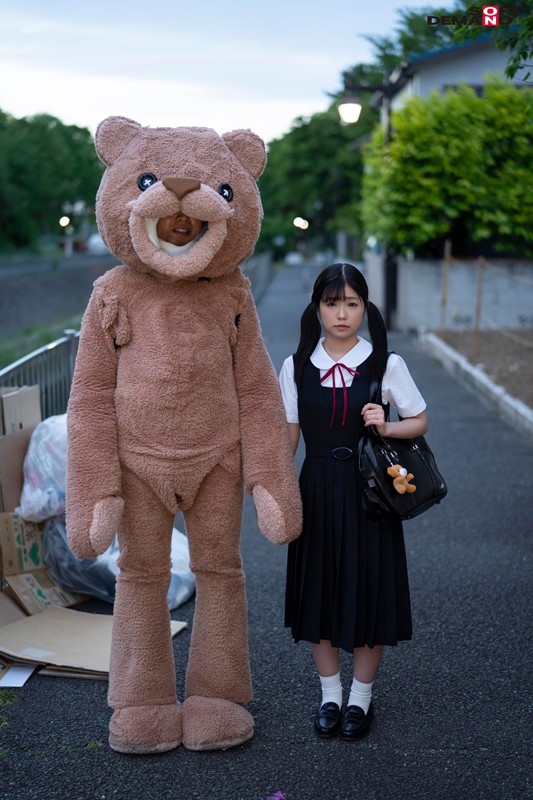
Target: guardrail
point(52, 366)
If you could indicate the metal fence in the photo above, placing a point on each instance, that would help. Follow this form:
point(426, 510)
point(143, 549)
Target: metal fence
point(51, 367)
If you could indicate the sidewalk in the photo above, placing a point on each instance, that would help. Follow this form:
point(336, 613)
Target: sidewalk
point(451, 710)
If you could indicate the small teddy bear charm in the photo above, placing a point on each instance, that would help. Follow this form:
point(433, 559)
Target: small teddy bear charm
point(401, 479)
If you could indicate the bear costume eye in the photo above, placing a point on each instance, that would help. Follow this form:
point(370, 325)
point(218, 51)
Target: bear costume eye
point(226, 191)
point(146, 180)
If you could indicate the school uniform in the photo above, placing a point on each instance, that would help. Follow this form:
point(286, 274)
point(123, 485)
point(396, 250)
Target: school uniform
point(346, 574)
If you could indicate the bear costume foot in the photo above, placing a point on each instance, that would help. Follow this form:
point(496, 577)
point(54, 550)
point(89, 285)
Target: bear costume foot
point(146, 729)
point(210, 723)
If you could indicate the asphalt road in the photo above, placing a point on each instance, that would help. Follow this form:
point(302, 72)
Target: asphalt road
point(453, 707)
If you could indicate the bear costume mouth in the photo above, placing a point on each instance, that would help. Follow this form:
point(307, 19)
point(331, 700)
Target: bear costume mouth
point(194, 257)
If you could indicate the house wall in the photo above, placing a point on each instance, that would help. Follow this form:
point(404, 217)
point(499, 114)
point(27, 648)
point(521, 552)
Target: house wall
point(472, 68)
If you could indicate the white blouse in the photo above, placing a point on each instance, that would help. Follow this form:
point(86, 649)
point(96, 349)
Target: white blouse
point(398, 387)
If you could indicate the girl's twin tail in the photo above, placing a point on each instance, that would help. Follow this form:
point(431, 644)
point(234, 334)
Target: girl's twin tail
point(310, 331)
point(378, 334)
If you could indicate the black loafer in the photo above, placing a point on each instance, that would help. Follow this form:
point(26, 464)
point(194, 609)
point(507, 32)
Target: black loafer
point(328, 720)
point(355, 722)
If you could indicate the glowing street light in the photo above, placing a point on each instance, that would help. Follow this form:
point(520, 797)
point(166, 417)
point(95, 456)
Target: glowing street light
point(64, 221)
point(300, 222)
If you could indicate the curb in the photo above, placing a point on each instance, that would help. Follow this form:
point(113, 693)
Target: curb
point(514, 411)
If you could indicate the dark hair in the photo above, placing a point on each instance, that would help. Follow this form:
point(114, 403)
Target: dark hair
point(330, 286)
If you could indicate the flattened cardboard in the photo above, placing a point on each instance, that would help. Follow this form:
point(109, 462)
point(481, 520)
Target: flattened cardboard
point(12, 453)
point(21, 544)
point(9, 610)
point(21, 408)
point(64, 638)
point(36, 591)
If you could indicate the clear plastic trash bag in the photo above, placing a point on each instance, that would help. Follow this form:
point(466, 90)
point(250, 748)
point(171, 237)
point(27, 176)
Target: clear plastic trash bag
point(43, 499)
point(45, 464)
point(97, 576)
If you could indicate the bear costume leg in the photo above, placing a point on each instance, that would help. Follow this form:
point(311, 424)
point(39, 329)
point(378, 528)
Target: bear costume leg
point(142, 680)
point(218, 673)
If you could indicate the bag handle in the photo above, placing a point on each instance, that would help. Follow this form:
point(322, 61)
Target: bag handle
point(375, 397)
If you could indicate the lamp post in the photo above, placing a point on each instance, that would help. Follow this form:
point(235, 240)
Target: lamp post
point(349, 108)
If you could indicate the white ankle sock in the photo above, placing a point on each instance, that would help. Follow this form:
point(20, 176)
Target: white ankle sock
point(360, 695)
point(331, 689)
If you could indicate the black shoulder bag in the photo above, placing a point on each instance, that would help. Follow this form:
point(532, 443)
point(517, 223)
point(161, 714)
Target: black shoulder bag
point(377, 454)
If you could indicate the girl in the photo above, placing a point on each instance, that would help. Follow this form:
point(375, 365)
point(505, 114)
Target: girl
point(347, 583)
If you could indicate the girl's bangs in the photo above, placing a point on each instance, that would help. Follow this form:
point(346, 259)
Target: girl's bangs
point(335, 290)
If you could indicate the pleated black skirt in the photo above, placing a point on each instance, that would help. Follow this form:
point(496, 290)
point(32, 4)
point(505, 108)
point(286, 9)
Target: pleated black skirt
point(347, 579)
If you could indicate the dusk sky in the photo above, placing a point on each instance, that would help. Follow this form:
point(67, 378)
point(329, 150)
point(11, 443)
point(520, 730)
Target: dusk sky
point(224, 65)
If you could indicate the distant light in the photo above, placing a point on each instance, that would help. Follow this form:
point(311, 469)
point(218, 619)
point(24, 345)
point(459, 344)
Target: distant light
point(300, 222)
point(64, 221)
point(349, 110)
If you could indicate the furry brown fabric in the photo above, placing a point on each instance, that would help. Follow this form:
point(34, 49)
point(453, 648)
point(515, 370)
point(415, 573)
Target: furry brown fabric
point(174, 406)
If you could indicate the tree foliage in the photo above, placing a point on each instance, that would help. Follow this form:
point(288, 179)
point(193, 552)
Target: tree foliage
point(412, 36)
point(516, 37)
point(459, 167)
point(312, 172)
point(43, 165)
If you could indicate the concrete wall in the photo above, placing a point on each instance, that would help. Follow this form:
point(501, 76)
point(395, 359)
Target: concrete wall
point(506, 299)
point(375, 277)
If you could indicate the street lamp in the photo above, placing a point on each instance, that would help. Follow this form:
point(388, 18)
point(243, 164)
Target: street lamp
point(349, 105)
point(349, 108)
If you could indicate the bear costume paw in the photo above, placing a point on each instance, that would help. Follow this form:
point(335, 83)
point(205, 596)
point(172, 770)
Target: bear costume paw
point(146, 729)
point(210, 723)
point(271, 521)
point(106, 521)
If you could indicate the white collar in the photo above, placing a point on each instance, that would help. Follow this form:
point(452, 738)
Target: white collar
point(352, 358)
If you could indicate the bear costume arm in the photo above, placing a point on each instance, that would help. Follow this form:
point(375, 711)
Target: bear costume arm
point(268, 463)
point(94, 505)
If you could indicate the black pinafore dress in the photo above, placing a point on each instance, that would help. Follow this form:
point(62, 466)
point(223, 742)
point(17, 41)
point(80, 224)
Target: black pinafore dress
point(346, 574)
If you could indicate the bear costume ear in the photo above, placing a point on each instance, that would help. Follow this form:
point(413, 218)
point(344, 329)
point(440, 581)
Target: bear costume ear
point(249, 149)
point(112, 136)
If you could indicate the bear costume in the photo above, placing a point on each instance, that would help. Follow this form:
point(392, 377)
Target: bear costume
point(175, 406)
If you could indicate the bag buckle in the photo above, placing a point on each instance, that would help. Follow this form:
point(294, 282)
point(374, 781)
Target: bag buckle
point(342, 453)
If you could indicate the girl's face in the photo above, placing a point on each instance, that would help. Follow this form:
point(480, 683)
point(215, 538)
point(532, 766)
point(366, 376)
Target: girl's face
point(341, 319)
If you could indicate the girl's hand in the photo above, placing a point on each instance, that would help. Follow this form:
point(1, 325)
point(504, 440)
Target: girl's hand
point(373, 414)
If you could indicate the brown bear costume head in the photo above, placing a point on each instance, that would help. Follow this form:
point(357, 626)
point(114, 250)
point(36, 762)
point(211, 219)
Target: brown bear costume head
point(153, 173)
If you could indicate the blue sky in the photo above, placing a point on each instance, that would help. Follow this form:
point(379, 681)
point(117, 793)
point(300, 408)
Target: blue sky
point(224, 65)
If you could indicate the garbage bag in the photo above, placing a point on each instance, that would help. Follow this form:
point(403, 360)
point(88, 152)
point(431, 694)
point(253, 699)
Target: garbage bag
point(97, 576)
point(43, 490)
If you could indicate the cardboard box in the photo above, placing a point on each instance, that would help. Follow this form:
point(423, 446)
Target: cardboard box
point(20, 408)
point(21, 544)
point(12, 453)
point(24, 577)
point(37, 591)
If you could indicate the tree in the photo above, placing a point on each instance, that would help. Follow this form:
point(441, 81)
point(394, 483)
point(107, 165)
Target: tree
point(412, 36)
point(459, 167)
point(315, 170)
point(311, 172)
point(515, 36)
point(43, 164)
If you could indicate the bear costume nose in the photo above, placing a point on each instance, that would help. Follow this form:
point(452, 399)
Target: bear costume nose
point(181, 186)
